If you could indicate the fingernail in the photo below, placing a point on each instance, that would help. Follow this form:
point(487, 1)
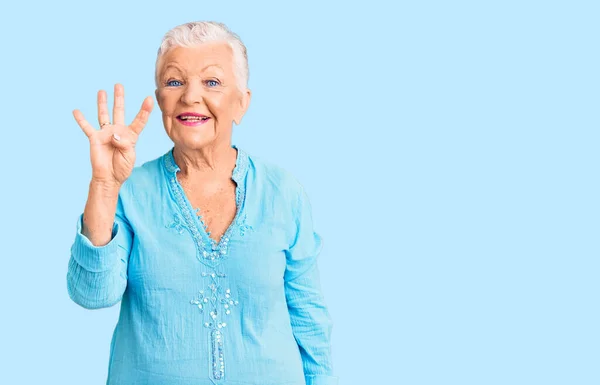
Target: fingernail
point(117, 137)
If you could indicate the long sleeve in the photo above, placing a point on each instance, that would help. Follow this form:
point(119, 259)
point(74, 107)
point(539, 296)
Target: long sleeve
point(97, 276)
point(310, 319)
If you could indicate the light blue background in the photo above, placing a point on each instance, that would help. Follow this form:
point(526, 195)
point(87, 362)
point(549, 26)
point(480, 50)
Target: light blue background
point(450, 150)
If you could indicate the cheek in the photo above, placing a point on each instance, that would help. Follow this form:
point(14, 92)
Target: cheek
point(218, 104)
point(168, 102)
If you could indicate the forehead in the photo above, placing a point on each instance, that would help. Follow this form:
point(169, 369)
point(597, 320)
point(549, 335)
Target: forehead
point(199, 58)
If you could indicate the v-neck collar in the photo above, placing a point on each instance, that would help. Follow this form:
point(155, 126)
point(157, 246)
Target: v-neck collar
point(209, 251)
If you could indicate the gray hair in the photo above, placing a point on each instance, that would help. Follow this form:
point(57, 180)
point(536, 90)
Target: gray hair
point(200, 32)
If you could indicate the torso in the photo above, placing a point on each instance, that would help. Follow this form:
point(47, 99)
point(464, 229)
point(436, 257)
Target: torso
point(215, 201)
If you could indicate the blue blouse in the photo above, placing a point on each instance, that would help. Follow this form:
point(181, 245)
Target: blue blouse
point(246, 310)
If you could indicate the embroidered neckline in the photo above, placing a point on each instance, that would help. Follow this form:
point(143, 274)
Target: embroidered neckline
point(207, 248)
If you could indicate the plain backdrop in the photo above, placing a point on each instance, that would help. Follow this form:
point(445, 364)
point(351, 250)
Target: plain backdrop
point(449, 149)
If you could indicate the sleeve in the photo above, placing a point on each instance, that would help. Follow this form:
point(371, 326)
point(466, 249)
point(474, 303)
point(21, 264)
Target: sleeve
point(310, 319)
point(97, 276)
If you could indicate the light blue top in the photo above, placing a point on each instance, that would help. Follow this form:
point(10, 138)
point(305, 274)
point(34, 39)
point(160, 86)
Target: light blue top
point(248, 310)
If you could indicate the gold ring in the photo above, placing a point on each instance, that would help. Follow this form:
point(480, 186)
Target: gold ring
point(103, 124)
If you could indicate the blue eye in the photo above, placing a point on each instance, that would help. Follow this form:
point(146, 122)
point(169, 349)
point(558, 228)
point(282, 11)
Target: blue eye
point(171, 83)
point(212, 83)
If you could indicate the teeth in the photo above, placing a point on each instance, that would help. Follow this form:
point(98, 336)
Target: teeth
point(192, 118)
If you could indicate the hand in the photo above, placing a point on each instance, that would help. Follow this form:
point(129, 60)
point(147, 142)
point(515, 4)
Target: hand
point(112, 148)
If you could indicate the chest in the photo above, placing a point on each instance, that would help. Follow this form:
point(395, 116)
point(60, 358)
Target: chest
point(215, 205)
point(170, 244)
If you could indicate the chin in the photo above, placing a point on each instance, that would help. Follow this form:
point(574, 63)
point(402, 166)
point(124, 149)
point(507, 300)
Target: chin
point(194, 142)
point(189, 138)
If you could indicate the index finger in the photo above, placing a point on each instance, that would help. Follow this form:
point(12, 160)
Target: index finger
point(141, 118)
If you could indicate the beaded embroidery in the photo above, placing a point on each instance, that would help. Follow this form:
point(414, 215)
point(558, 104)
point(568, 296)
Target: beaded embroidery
point(220, 303)
point(217, 302)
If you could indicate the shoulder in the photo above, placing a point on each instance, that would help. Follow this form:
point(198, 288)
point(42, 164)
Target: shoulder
point(272, 176)
point(144, 177)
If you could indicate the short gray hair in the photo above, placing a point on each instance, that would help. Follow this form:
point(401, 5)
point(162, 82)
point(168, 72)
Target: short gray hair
point(200, 32)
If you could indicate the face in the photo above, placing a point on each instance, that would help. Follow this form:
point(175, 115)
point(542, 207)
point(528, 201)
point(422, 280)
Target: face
point(198, 95)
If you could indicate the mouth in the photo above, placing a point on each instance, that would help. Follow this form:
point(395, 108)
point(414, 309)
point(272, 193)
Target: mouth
point(192, 119)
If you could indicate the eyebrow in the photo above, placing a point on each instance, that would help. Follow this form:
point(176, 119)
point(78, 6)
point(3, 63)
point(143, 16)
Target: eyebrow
point(169, 66)
point(176, 67)
point(212, 65)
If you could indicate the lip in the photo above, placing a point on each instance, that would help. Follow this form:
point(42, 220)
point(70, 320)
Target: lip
point(192, 122)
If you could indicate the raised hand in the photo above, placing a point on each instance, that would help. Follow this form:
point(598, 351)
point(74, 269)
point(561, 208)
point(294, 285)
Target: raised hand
point(112, 148)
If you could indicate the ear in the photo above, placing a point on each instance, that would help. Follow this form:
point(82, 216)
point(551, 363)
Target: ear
point(243, 107)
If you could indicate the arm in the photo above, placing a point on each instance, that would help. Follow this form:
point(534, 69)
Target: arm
point(97, 270)
point(310, 319)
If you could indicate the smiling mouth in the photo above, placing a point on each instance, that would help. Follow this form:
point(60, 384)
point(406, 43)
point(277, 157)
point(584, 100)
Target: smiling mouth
point(192, 120)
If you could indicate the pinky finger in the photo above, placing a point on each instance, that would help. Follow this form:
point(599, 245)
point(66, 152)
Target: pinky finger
point(85, 126)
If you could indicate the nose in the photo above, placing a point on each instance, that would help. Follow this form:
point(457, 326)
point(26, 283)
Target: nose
point(193, 93)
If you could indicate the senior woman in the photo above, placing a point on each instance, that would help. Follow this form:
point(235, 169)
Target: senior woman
point(211, 252)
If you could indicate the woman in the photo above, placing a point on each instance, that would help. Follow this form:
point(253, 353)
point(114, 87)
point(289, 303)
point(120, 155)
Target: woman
point(211, 252)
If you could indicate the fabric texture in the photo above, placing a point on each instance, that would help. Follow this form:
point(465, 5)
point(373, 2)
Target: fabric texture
point(246, 310)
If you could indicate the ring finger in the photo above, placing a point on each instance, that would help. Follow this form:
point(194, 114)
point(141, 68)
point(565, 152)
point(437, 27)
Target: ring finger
point(103, 116)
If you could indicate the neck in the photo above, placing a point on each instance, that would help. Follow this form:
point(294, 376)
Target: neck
point(213, 161)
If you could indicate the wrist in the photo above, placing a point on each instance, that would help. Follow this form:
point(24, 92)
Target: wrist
point(110, 188)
